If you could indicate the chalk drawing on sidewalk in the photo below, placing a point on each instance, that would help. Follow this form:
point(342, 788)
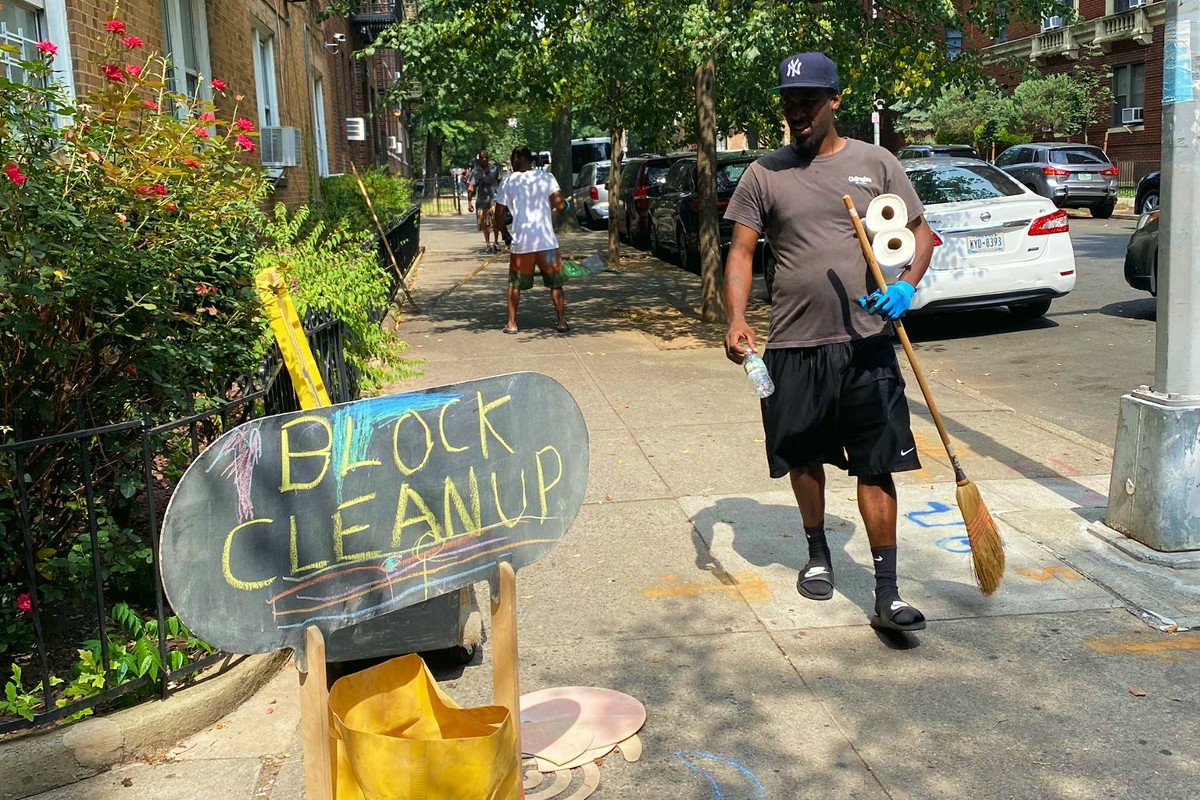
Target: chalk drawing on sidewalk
point(1047, 573)
point(704, 763)
point(954, 544)
point(748, 585)
point(935, 510)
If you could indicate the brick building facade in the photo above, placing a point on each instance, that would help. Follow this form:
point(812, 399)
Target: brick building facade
point(1124, 36)
point(297, 76)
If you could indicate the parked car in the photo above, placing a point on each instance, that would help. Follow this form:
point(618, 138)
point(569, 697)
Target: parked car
point(638, 174)
point(590, 193)
point(997, 242)
point(931, 150)
point(1072, 175)
point(1147, 197)
point(1141, 256)
point(674, 216)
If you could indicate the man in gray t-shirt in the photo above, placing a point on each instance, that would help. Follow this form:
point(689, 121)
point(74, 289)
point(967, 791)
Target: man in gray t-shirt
point(839, 395)
point(481, 197)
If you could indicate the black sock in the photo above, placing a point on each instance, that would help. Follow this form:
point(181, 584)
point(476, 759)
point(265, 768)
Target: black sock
point(885, 572)
point(818, 547)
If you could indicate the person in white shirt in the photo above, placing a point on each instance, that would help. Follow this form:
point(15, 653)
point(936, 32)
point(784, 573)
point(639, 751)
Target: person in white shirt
point(531, 195)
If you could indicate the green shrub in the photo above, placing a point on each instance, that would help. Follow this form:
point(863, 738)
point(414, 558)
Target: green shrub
point(342, 201)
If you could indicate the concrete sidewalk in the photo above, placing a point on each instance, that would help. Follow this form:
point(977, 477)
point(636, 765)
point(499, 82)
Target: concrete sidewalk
point(676, 585)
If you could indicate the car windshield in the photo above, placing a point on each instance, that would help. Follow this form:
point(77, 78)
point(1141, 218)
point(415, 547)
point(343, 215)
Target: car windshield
point(582, 153)
point(601, 175)
point(1078, 155)
point(958, 183)
point(729, 175)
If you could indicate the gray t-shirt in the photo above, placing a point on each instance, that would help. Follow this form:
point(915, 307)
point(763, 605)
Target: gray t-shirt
point(820, 269)
point(485, 183)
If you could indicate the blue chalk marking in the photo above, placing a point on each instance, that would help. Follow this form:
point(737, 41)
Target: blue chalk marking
point(689, 758)
point(955, 544)
point(934, 508)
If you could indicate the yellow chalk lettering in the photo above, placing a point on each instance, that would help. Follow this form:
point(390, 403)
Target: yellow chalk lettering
point(347, 466)
point(287, 485)
point(442, 429)
point(400, 465)
point(510, 523)
point(294, 549)
point(486, 425)
point(340, 533)
point(542, 486)
point(227, 570)
point(424, 515)
point(473, 520)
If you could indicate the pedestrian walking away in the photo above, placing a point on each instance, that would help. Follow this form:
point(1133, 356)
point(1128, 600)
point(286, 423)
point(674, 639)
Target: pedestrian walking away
point(481, 198)
point(531, 195)
point(839, 396)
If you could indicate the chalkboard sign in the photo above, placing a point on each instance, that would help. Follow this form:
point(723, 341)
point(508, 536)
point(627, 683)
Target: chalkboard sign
point(337, 515)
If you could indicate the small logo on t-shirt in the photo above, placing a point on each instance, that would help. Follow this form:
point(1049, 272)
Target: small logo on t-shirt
point(860, 180)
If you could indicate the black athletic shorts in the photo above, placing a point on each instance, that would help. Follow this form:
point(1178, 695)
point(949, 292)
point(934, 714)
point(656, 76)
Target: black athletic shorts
point(840, 404)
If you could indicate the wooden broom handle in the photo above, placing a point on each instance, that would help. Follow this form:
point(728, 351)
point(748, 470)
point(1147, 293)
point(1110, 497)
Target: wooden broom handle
point(960, 477)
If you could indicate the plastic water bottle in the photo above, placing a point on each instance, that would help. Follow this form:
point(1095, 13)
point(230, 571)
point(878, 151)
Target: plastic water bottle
point(756, 371)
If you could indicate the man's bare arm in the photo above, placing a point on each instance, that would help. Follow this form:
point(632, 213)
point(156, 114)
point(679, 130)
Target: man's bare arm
point(924, 251)
point(739, 276)
point(557, 203)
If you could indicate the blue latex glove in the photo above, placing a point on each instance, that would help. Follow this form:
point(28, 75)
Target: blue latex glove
point(890, 304)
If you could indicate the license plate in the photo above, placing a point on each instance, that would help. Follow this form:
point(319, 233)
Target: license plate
point(992, 243)
point(1084, 176)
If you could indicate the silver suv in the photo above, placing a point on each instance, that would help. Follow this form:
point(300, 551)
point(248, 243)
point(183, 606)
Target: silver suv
point(1072, 175)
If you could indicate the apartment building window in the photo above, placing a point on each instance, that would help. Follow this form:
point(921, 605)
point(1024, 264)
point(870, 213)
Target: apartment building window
point(264, 79)
point(24, 23)
point(1125, 5)
point(1128, 88)
point(954, 43)
point(319, 132)
point(187, 47)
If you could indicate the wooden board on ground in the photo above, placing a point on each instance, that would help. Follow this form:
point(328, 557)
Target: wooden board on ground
point(333, 516)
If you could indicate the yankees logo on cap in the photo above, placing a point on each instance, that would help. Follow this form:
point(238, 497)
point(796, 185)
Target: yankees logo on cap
point(808, 71)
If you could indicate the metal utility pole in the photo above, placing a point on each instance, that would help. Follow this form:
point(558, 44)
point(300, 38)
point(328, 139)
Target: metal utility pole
point(876, 108)
point(1154, 491)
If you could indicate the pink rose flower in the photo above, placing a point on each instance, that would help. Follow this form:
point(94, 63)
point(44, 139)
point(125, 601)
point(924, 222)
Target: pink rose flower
point(115, 26)
point(159, 190)
point(150, 104)
point(113, 73)
point(207, 116)
point(130, 370)
point(202, 133)
point(218, 84)
point(191, 162)
point(172, 207)
point(24, 603)
point(244, 143)
point(14, 174)
point(121, 218)
point(244, 124)
point(134, 70)
point(132, 42)
point(47, 47)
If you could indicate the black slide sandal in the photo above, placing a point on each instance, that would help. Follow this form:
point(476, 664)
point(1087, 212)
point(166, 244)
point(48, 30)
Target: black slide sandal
point(885, 618)
point(815, 582)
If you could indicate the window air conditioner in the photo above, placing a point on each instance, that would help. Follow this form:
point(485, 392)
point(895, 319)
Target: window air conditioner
point(1131, 116)
point(1051, 23)
point(391, 143)
point(280, 147)
point(356, 129)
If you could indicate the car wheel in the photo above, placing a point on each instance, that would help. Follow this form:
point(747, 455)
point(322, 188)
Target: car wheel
point(655, 247)
point(1033, 310)
point(685, 259)
point(1149, 203)
point(1103, 211)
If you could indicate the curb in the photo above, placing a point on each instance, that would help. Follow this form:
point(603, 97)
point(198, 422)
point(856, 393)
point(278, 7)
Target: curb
point(41, 761)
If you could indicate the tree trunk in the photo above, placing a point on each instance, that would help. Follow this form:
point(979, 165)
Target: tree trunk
point(433, 164)
point(560, 166)
point(614, 202)
point(752, 137)
point(712, 306)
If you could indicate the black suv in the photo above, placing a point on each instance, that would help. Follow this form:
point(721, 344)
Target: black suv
point(937, 151)
point(674, 216)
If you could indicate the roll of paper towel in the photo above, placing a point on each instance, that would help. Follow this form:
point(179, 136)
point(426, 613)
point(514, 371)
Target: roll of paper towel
point(894, 250)
point(887, 212)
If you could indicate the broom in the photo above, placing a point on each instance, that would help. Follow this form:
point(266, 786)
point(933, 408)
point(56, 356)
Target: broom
point(987, 551)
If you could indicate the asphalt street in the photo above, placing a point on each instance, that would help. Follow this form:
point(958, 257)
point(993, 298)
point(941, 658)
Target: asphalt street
point(1072, 366)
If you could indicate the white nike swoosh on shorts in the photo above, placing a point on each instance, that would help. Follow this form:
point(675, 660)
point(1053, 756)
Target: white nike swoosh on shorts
point(906, 452)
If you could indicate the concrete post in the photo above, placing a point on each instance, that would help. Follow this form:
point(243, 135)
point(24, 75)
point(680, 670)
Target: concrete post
point(1154, 490)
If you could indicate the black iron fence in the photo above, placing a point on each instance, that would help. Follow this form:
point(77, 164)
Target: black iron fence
point(61, 488)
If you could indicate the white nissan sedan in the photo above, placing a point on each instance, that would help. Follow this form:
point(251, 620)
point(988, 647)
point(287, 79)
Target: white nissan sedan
point(997, 243)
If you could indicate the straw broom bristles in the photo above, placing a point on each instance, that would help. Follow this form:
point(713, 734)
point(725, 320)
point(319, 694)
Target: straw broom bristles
point(987, 549)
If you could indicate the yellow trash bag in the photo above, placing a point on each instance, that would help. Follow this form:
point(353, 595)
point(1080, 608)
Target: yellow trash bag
point(396, 736)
